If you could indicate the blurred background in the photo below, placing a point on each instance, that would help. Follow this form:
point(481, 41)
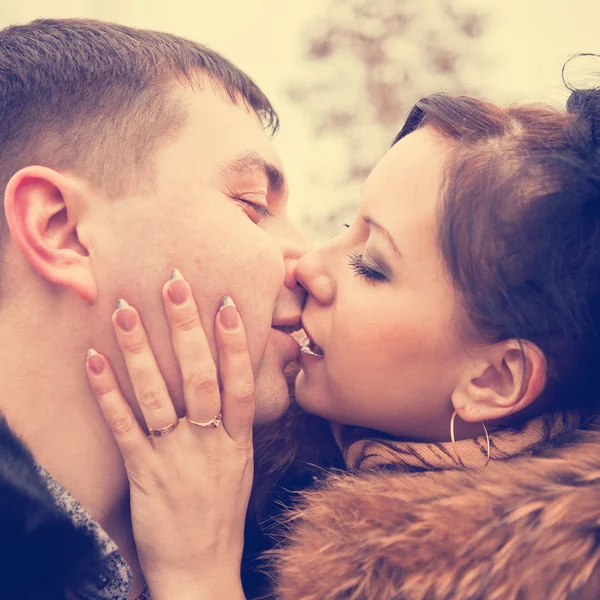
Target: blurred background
point(343, 73)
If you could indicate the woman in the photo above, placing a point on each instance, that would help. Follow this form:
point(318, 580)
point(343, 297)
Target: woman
point(455, 323)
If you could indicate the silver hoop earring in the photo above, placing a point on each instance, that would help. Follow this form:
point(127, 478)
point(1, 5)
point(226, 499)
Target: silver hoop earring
point(487, 439)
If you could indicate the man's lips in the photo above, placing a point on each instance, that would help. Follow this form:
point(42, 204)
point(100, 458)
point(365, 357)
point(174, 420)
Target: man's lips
point(288, 324)
point(288, 345)
point(289, 329)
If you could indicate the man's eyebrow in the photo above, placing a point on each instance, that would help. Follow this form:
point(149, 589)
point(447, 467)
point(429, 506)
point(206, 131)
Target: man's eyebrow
point(385, 233)
point(252, 162)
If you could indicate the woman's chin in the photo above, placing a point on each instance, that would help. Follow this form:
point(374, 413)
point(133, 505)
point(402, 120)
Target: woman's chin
point(309, 397)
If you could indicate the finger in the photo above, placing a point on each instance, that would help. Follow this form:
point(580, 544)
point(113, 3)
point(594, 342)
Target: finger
point(200, 380)
point(131, 440)
point(146, 378)
point(237, 377)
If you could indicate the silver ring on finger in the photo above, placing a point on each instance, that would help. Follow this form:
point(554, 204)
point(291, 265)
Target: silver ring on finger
point(214, 422)
point(163, 430)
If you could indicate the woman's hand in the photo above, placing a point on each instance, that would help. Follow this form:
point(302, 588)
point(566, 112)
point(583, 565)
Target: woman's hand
point(190, 483)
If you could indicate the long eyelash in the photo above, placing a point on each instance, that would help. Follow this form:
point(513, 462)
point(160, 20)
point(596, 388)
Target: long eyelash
point(263, 211)
point(357, 264)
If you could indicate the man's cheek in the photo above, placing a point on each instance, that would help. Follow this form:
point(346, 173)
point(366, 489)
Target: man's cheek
point(258, 331)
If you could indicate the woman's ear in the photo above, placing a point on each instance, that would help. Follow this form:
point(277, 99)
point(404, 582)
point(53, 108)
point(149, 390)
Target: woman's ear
point(41, 207)
point(503, 381)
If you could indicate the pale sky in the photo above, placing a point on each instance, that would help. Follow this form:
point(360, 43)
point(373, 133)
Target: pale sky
point(525, 45)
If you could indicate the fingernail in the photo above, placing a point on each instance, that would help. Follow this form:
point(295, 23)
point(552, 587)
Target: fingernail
point(177, 291)
point(95, 362)
point(229, 314)
point(176, 274)
point(126, 316)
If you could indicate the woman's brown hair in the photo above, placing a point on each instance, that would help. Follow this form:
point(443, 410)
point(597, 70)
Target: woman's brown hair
point(519, 229)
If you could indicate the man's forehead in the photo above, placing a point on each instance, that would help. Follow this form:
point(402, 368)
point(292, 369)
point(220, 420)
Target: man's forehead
point(250, 163)
point(223, 139)
point(211, 109)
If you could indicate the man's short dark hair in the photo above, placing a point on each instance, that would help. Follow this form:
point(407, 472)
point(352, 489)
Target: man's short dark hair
point(95, 98)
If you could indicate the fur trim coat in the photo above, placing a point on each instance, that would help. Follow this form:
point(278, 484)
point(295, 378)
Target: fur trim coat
point(525, 529)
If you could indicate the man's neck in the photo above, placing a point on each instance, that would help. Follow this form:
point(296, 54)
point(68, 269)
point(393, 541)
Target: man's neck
point(48, 404)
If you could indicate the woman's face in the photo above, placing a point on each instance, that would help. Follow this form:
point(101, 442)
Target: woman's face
point(381, 307)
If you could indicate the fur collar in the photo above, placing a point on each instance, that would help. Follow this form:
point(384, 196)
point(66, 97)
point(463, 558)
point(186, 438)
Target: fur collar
point(44, 554)
point(525, 529)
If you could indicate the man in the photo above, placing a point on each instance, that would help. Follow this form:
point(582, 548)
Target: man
point(123, 154)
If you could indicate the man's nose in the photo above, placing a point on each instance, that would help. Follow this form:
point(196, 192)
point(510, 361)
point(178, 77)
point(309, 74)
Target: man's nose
point(297, 245)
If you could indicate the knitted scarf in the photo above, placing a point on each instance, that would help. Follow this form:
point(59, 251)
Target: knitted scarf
point(366, 450)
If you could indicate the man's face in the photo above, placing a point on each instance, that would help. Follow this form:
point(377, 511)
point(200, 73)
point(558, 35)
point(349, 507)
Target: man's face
point(200, 218)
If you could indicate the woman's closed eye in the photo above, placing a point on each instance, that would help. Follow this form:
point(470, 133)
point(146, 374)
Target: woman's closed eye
point(357, 263)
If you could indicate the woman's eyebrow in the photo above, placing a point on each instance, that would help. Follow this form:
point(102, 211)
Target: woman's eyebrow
point(251, 162)
point(384, 233)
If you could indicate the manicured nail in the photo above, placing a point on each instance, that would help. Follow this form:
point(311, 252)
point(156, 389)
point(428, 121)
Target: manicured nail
point(229, 313)
point(126, 316)
point(177, 288)
point(175, 274)
point(95, 362)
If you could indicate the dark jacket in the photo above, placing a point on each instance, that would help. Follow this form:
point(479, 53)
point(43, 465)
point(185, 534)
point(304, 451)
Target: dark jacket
point(44, 556)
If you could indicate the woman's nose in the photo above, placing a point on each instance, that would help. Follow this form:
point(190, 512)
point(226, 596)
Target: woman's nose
point(312, 273)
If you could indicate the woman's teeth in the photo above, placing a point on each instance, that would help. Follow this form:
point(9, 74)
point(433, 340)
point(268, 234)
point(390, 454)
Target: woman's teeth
point(309, 347)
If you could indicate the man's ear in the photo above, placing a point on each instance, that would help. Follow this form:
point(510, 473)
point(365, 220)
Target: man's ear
point(506, 378)
point(42, 212)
